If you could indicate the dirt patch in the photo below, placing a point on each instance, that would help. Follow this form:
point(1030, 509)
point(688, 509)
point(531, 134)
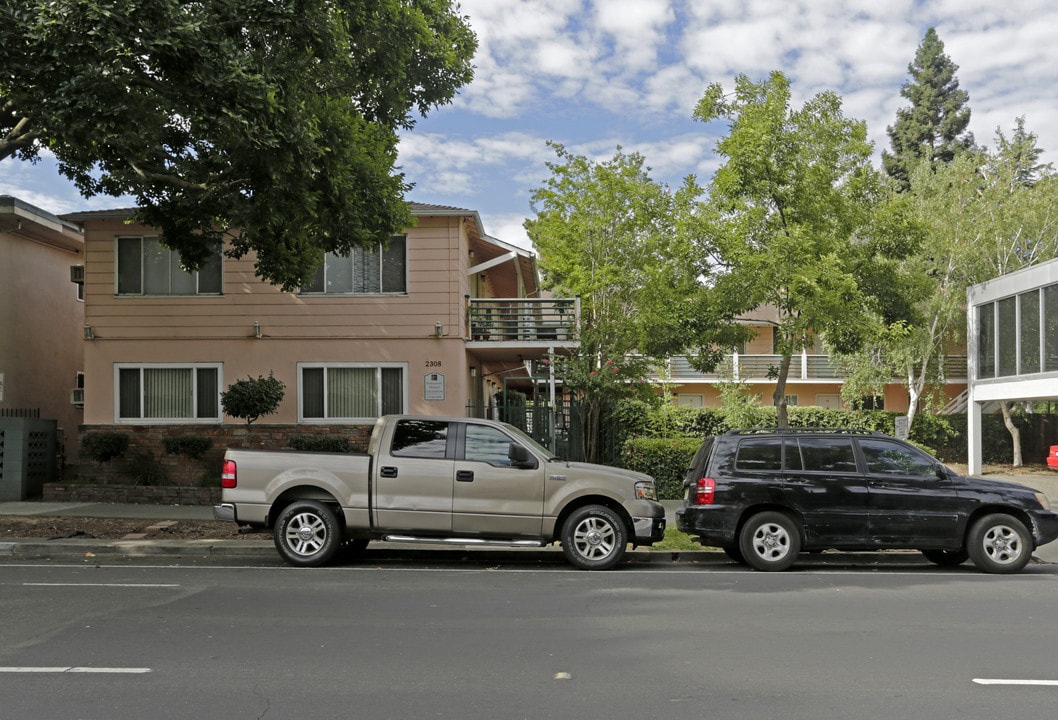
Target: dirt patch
point(53, 528)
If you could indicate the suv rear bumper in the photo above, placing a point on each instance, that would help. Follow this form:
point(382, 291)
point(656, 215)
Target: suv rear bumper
point(711, 524)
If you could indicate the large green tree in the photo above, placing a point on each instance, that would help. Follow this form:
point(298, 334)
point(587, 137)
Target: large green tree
point(270, 122)
point(602, 231)
point(933, 128)
point(801, 221)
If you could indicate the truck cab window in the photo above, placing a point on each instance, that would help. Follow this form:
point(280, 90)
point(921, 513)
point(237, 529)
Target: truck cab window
point(487, 444)
point(420, 439)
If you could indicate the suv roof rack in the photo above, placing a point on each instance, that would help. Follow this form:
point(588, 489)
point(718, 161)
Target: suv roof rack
point(796, 430)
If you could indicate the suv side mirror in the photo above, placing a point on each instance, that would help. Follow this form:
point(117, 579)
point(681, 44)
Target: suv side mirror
point(520, 457)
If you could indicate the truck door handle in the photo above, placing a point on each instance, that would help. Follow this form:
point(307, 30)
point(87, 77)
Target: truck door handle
point(388, 472)
point(464, 476)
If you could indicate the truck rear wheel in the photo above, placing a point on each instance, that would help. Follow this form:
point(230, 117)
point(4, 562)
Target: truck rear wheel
point(307, 534)
point(594, 538)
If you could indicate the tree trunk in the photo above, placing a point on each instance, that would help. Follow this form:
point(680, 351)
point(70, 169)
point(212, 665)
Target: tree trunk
point(779, 397)
point(1015, 434)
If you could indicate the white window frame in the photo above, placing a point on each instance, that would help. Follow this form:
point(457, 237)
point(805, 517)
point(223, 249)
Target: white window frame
point(302, 366)
point(174, 256)
point(118, 367)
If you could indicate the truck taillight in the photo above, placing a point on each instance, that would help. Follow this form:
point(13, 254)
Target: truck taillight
point(705, 491)
point(227, 475)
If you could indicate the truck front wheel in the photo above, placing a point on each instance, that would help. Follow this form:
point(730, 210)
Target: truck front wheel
point(594, 538)
point(307, 534)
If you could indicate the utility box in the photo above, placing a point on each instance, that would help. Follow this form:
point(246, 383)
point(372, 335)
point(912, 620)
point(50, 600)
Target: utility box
point(27, 457)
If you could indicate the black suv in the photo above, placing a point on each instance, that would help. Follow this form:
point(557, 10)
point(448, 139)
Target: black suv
point(763, 496)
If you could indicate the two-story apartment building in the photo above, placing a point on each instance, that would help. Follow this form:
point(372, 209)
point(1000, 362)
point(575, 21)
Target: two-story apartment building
point(814, 378)
point(433, 322)
point(41, 317)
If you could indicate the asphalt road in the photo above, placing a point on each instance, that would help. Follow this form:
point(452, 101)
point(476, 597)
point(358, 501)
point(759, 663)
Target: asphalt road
point(111, 642)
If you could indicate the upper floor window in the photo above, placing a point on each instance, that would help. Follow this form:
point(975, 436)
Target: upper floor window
point(146, 267)
point(183, 393)
point(364, 271)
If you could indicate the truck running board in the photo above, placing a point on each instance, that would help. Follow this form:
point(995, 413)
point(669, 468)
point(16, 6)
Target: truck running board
point(462, 541)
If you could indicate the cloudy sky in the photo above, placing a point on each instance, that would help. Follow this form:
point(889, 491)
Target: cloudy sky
point(597, 74)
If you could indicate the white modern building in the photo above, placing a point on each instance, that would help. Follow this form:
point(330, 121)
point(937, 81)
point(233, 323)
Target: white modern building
point(1012, 337)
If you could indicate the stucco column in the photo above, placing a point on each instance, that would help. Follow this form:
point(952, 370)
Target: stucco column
point(973, 435)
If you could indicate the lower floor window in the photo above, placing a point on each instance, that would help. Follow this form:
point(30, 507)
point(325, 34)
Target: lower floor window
point(168, 392)
point(351, 391)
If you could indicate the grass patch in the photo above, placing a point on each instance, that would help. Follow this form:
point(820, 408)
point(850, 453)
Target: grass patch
point(676, 540)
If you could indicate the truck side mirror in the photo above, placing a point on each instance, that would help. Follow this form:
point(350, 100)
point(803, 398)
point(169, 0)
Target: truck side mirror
point(520, 457)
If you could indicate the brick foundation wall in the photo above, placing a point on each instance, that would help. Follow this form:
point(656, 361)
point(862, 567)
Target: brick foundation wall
point(147, 464)
point(149, 494)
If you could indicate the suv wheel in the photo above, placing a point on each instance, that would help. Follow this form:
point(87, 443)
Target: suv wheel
point(999, 543)
point(594, 538)
point(770, 541)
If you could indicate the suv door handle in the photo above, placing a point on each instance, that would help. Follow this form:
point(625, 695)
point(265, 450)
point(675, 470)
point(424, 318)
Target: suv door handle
point(464, 476)
point(388, 472)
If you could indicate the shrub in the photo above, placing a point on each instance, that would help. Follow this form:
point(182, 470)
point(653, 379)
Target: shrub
point(189, 446)
point(320, 443)
point(665, 459)
point(105, 445)
point(253, 398)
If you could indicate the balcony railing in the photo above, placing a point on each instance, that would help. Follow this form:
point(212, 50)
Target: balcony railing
point(803, 366)
point(550, 320)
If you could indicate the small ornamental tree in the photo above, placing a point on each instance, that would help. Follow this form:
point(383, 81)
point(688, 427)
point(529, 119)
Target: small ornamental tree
point(252, 398)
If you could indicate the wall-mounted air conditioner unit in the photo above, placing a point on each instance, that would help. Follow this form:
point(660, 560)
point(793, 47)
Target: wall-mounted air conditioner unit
point(77, 274)
point(77, 396)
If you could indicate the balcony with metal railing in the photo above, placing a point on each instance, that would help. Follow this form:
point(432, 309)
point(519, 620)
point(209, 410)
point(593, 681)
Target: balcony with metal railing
point(553, 322)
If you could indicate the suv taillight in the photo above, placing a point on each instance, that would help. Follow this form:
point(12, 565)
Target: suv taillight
point(705, 491)
point(227, 475)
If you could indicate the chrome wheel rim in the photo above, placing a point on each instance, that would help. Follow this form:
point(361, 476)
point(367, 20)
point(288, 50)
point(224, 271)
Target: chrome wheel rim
point(594, 538)
point(1003, 545)
point(306, 533)
point(771, 542)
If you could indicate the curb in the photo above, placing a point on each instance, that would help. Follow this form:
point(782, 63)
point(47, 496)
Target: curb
point(263, 552)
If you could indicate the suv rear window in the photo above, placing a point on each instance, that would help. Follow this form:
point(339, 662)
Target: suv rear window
point(755, 454)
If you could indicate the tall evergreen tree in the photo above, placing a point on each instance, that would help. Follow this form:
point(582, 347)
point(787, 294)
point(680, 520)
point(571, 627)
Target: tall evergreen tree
point(933, 128)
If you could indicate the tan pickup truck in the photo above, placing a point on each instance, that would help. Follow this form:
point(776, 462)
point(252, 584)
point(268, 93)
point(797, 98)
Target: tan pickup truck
point(440, 480)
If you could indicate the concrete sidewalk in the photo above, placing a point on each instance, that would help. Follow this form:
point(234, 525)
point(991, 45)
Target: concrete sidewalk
point(263, 550)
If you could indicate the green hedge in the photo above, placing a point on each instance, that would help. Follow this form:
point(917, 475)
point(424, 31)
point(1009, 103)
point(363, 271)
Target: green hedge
point(664, 459)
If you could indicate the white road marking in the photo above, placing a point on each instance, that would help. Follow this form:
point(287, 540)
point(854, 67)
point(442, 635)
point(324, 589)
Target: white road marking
point(105, 670)
point(996, 681)
point(121, 585)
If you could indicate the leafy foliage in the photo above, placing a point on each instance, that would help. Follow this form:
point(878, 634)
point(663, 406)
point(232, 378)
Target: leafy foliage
point(104, 446)
point(801, 222)
point(253, 398)
point(269, 122)
point(189, 446)
point(934, 127)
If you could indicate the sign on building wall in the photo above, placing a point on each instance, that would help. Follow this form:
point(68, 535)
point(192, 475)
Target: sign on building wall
point(434, 388)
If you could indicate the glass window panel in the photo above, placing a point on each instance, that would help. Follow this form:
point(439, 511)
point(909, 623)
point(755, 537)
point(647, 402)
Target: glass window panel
point(316, 284)
point(312, 393)
point(339, 274)
point(207, 404)
point(793, 455)
point(352, 392)
point(1050, 328)
point(889, 458)
point(366, 265)
point(1029, 331)
point(155, 267)
point(210, 277)
point(986, 341)
point(827, 454)
point(394, 270)
point(420, 438)
point(129, 393)
point(181, 282)
point(130, 270)
point(487, 444)
point(168, 392)
point(392, 391)
point(1008, 337)
point(759, 454)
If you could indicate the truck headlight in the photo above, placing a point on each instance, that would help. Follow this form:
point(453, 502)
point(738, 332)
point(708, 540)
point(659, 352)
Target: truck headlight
point(645, 490)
